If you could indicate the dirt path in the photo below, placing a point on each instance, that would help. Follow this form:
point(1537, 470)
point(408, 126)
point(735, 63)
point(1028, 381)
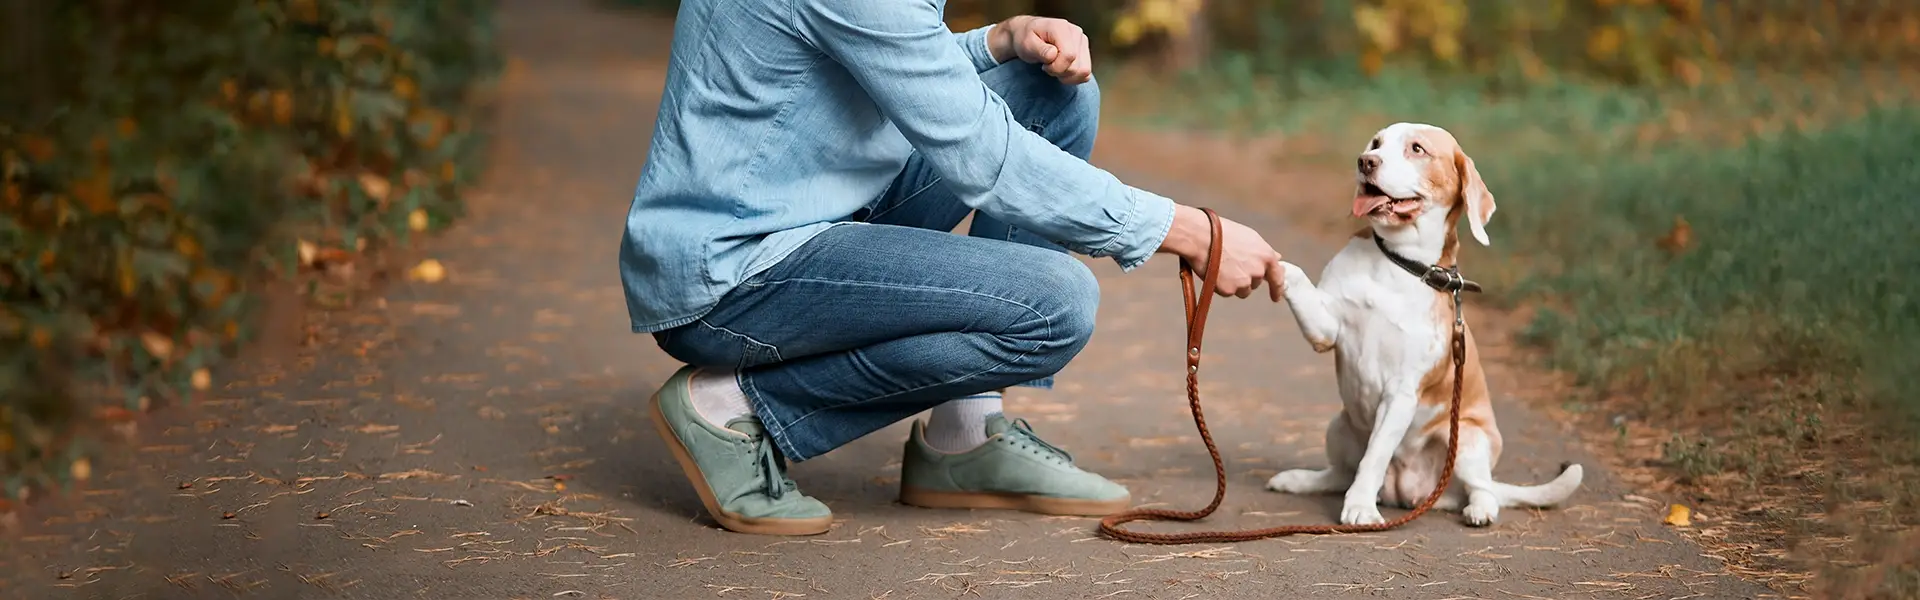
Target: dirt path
point(485, 437)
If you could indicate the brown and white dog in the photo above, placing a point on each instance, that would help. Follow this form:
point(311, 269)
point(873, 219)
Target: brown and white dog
point(1391, 338)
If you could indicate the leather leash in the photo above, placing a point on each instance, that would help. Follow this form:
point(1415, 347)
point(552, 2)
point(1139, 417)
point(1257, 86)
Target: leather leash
point(1197, 307)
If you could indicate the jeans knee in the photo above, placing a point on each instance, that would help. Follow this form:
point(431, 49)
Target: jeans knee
point(1070, 300)
point(1066, 115)
point(1079, 122)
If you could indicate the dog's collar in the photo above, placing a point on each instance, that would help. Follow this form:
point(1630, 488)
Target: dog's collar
point(1445, 279)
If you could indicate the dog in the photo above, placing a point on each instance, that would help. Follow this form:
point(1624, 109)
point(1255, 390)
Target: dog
point(1391, 335)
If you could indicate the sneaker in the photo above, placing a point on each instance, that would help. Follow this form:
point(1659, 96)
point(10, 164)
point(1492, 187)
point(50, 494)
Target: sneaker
point(740, 476)
point(1014, 469)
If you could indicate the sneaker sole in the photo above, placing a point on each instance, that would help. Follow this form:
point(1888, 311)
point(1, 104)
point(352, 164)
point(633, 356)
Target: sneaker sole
point(730, 521)
point(1074, 507)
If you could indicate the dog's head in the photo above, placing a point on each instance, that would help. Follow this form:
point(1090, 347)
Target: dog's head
point(1410, 169)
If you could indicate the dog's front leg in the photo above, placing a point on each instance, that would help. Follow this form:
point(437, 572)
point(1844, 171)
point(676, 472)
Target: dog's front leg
point(1312, 309)
point(1389, 427)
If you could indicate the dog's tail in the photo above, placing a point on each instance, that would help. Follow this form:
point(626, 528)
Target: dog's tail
point(1543, 495)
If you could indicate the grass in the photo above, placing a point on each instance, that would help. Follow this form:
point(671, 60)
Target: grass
point(1730, 268)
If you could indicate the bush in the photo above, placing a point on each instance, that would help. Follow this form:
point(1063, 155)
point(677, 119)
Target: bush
point(159, 160)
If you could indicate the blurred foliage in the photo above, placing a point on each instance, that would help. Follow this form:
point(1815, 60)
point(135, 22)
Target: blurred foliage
point(1629, 41)
point(160, 160)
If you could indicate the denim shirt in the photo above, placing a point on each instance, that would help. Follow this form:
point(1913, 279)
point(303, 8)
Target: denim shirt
point(781, 118)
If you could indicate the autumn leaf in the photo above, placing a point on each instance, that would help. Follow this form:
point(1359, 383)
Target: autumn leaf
point(429, 271)
point(1679, 516)
point(417, 220)
point(202, 380)
point(307, 252)
point(282, 107)
point(158, 345)
point(1679, 238)
point(375, 186)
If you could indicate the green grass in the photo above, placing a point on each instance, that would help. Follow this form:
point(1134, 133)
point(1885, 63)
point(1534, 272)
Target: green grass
point(1776, 348)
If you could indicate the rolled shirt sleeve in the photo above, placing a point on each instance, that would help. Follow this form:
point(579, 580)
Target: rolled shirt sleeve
point(918, 73)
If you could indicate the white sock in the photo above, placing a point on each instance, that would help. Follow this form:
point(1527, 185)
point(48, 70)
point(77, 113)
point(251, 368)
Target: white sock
point(961, 424)
point(717, 396)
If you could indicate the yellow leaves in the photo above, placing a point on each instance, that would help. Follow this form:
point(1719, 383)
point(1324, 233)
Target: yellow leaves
point(81, 469)
point(1604, 43)
point(1679, 515)
point(342, 120)
point(376, 187)
point(1679, 238)
point(1147, 17)
point(188, 247)
point(306, 252)
point(129, 281)
point(202, 380)
point(282, 107)
point(1371, 61)
point(1688, 72)
point(38, 147)
point(417, 220)
point(404, 87)
point(40, 338)
point(1390, 25)
point(157, 344)
point(1379, 27)
point(428, 271)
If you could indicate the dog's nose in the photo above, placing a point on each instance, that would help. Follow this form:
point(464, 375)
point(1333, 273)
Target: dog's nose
point(1369, 163)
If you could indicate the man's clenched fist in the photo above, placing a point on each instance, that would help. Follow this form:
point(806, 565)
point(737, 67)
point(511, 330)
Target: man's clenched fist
point(1058, 46)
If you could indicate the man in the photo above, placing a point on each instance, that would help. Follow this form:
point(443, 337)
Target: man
point(790, 239)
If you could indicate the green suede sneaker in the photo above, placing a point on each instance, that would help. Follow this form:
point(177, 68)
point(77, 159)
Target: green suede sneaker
point(740, 477)
point(1015, 470)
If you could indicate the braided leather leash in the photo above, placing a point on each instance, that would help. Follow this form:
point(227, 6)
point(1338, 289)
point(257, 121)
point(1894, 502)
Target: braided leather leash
point(1196, 309)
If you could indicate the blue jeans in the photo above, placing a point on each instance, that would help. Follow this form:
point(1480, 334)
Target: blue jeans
point(871, 323)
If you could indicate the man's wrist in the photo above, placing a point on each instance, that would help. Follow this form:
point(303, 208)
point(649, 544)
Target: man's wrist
point(1190, 234)
point(1000, 39)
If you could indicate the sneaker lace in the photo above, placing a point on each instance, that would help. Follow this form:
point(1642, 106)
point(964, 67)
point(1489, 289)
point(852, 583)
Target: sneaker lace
point(773, 469)
point(1025, 431)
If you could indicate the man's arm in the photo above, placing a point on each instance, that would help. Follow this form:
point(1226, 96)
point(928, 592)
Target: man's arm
point(977, 45)
point(902, 53)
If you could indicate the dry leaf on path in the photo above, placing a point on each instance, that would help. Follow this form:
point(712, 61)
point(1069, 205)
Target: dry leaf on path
point(1679, 516)
point(429, 270)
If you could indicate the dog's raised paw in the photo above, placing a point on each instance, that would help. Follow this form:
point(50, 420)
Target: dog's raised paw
point(1365, 514)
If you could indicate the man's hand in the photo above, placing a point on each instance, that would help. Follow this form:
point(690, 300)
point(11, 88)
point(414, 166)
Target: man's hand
point(1059, 47)
point(1246, 259)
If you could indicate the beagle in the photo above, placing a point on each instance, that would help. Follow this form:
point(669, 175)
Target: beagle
point(1390, 332)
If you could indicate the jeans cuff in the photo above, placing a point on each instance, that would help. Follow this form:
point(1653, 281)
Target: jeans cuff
point(776, 429)
point(1043, 383)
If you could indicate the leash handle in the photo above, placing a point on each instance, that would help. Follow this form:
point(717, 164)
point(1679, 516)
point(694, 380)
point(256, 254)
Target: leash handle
point(1197, 308)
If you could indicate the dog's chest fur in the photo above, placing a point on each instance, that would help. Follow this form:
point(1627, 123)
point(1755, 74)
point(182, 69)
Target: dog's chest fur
point(1391, 330)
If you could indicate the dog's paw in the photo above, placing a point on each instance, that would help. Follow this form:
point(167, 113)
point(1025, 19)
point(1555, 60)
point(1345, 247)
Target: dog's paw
point(1294, 277)
point(1296, 481)
point(1361, 514)
point(1481, 514)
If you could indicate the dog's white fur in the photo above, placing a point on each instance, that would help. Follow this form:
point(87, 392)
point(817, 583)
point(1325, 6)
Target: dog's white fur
point(1390, 335)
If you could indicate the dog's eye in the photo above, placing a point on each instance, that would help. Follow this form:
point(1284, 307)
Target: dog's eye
point(1375, 145)
point(1418, 149)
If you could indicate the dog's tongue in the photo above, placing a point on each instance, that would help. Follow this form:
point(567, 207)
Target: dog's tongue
point(1364, 204)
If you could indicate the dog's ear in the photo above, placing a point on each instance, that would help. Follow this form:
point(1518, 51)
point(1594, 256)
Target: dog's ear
point(1473, 190)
